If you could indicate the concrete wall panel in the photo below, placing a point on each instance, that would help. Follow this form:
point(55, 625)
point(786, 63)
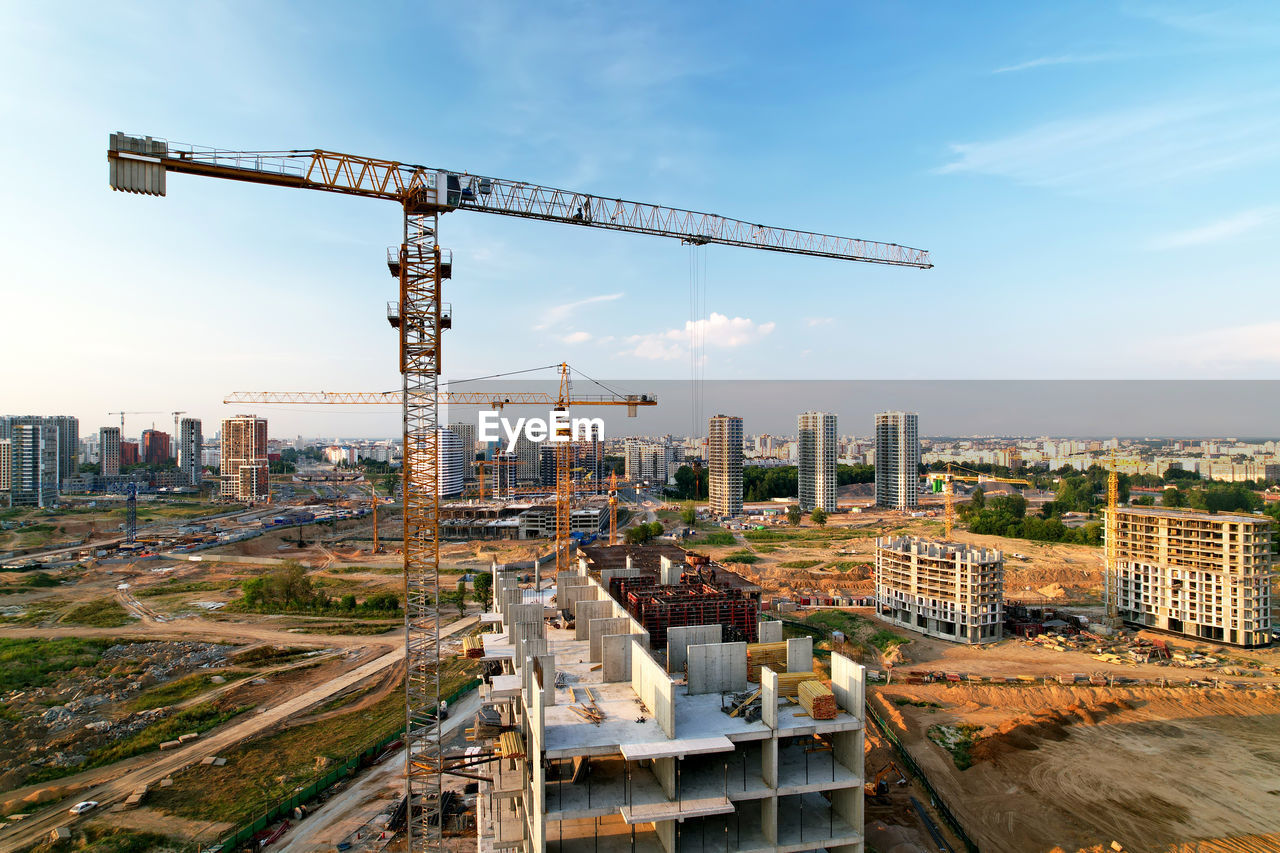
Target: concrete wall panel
point(615, 649)
point(717, 667)
point(800, 654)
point(585, 611)
point(597, 628)
point(681, 637)
point(770, 631)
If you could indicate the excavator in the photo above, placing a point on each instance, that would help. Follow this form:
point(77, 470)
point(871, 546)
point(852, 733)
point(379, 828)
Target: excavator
point(877, 790)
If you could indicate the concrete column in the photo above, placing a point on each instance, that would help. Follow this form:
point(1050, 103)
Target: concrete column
point(666, 830)
point(769, 760)
point(769, 697)
point(769, 818)
point(800, 654)
point(665, 770)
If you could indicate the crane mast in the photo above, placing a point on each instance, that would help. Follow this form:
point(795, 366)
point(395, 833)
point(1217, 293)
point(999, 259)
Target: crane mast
point(140, 164)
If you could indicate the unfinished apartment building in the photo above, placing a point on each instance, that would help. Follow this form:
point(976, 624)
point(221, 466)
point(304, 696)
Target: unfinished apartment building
point(610, 744)
point(1205, 576)
point(942, 589)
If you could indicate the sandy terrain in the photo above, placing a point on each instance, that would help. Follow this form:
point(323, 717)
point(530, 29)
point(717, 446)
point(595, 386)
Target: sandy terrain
point(1073, 767)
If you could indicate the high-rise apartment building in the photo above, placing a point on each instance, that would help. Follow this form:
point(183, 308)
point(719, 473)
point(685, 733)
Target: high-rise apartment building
point(816, 440)
point(33, 466)
point(466, 433)
point(129, 453)
point(190, 444)
point(653, 461)
point(450, 468)
point(1205, 576)
point(897, 460)
point(109, 451)
point(244, 466)
point(6, 470)
point(529, 469)
point(724, 465)
point(68, 446)
point(942, 589)
point(155, 447)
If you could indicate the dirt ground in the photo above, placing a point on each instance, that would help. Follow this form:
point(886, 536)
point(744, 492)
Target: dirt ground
point(1061, 767)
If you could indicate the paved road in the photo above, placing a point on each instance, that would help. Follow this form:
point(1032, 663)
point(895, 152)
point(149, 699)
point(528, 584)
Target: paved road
point(365, 799)
point(166, 763)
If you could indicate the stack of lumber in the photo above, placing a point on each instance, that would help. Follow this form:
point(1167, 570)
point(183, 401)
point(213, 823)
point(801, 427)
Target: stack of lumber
point(511, 745)
point(772, 655)
point(789, 682)
point(473, 647)
point(817, 700)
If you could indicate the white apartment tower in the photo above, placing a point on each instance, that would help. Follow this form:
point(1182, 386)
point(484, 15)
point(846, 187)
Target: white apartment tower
point(190, 445)
point(942, 589)
point(450, 468)
point(897, 460)
point(724, 465)
point(244, 465)
point(109, 451)
point(1205, 576)
point(466, 433)
point(816, 433)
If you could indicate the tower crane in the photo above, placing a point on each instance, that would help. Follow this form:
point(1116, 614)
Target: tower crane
point(175, 433)
point(122, 414)
point(948, 491)
point(141, 164)
point(1111, 531)
point(613, 508)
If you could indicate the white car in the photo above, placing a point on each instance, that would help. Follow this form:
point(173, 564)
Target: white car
point(81, 808)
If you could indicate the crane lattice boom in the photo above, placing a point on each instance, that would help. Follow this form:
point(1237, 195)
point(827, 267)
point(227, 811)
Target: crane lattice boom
point(138, 164)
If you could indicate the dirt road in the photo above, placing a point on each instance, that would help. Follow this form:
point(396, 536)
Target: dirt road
point(165, 763)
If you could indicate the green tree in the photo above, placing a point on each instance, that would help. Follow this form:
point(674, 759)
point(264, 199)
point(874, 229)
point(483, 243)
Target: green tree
point(819, 517)
point(348, 602)
point(689, 515)
point(1173, 498)
point(389, 484)
point(482, 589)
point(1143, 500)
point(978, 499)
point(461, 594)
point(793, 515)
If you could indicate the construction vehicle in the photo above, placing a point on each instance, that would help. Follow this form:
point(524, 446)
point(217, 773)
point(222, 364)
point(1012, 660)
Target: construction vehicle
point(948, 491)
point(878, 788)
point(140, 164)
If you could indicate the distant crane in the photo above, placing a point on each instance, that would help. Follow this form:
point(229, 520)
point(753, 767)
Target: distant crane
point(1112, 580)
point(140, 164)
point(948, 491)
point(122, 414)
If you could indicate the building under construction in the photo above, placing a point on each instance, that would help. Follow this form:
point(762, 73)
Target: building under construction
point(599, 741)
point(943, 589)
point(1205, 576)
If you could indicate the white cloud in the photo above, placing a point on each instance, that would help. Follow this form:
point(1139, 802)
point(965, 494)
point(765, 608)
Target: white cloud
point(558, 313)
point(1222, 229)
point(1130, 148)
point(820, 321)
point(1066, 59)
point(577, 337)
point(718, 330)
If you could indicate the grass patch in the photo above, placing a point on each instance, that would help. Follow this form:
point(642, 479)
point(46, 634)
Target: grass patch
point(26, 663)
point(267, 655)
point(799, 564)
point(745, 557)
point(263, 771)
point(352, 629)
point(885, 640)
point(109, 839)
point(958, 741)
point(103, 613)
point(39, 580)
point(915, 703)
point(173, 692)
point(796, 535)
point(837, 620)
point(174, 587)
point(715, 537)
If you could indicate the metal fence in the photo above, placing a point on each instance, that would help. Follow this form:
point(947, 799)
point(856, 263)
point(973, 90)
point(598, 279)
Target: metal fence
point(910, 763)
point(353, 762)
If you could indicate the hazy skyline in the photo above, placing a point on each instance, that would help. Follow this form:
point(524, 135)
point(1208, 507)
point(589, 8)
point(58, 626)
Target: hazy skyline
point(1097, 185)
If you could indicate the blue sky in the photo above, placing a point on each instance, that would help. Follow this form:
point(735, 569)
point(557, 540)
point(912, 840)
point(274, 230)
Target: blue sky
point(1098, 184)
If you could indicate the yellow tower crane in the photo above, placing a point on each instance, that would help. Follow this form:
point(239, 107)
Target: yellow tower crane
point(613, 508)
point(948, 492)
point(141, 164)
point(1111, 531)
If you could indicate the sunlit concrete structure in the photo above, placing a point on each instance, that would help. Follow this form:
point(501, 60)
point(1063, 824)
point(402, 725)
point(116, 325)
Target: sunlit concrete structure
point(943, 589)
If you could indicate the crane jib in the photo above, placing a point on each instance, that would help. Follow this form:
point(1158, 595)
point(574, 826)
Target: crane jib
point(138, 164)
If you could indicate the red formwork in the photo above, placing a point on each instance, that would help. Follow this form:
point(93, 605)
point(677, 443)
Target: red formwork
point(660, 608)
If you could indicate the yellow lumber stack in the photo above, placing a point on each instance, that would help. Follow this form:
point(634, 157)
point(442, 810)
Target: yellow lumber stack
point(817, 700)
point(473, 647)
point(789, 682)
point(772, 655)
point(511, 745)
